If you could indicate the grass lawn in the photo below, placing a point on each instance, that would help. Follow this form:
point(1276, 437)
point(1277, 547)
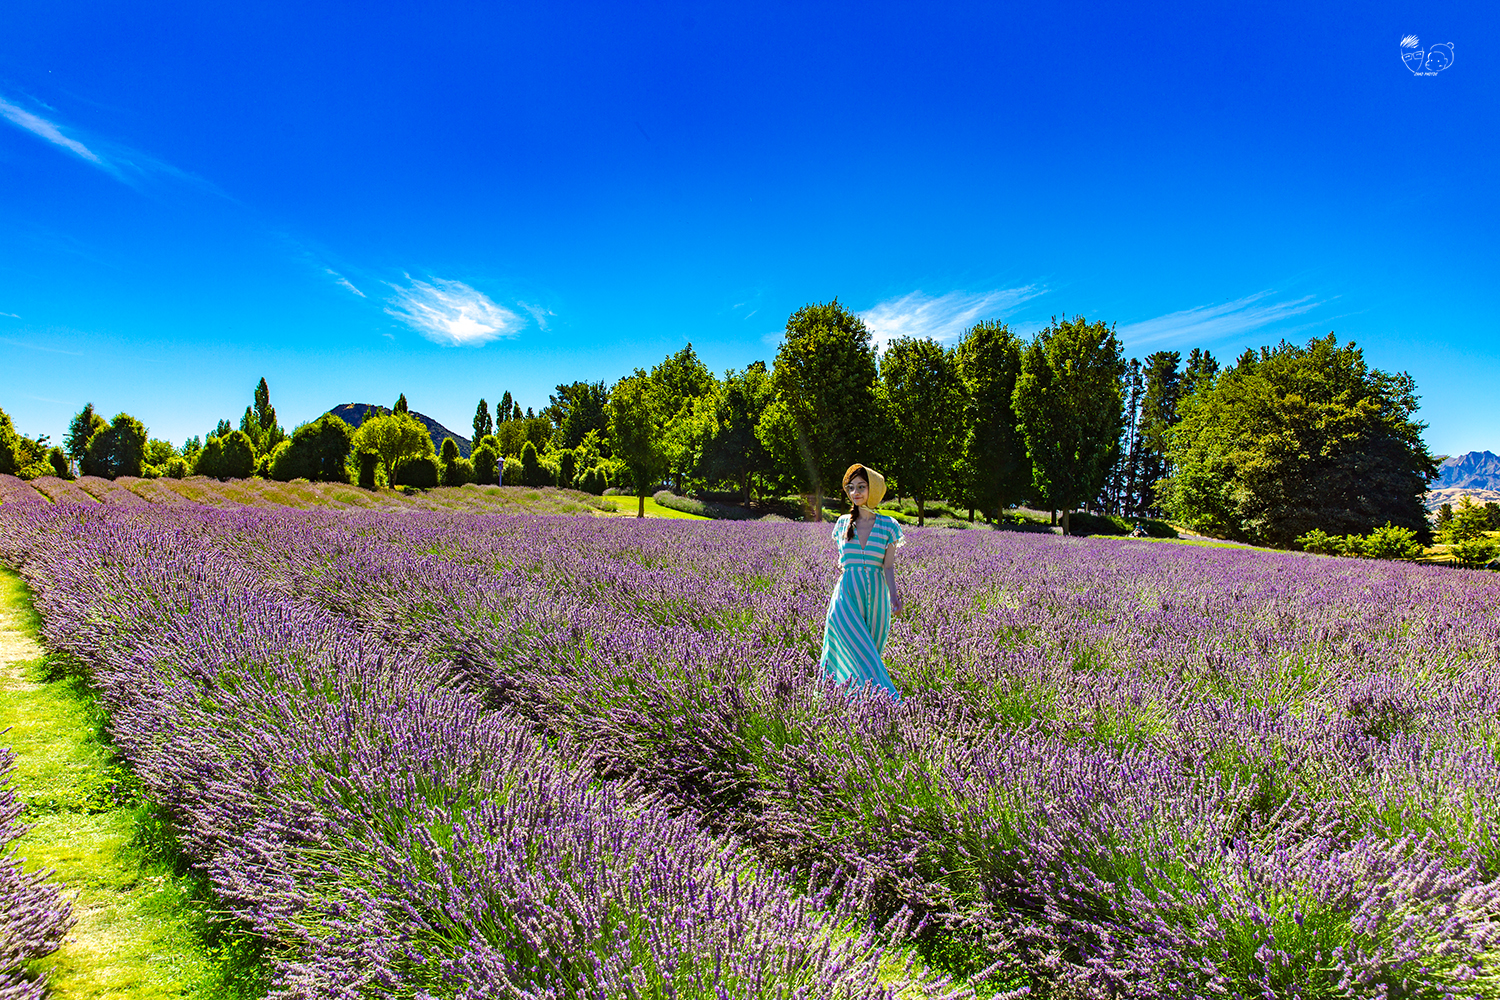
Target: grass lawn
point(628, 506)
point(143, 926)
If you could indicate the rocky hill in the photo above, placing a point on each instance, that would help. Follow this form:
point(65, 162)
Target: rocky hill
point(1479, 470)
point(353, 413)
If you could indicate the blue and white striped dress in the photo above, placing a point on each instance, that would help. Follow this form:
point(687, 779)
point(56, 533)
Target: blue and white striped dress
point(859, 613)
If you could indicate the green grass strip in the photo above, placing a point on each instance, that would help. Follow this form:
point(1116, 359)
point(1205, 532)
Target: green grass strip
point(145, 927)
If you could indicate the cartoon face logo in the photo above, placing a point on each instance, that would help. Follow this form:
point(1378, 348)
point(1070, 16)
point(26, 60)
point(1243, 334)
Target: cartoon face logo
point(1429, 63)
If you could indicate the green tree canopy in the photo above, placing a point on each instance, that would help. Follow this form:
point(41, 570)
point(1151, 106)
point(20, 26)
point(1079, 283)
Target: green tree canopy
point(259, 422)
point(11, 457)
point(733, 451)
point(1296, 438)
point(993, 470)
point(637, 418)
point(401, 406)
point(824, 417)
point(318, 451)
point(117, 450)
point(396, 437)
point(1068, 402)
point(1159, 414)
point(483, 424)
point(225, 456)
point(85, 424)
point(924, 404)
point(576, 409)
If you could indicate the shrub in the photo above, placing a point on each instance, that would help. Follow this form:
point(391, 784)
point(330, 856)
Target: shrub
point(1392, 542)
point(458, 472)
point(533, 473)
point(703, 508)
point(1320, 542)
point(176, 468)
point(1474, 552)
point(1082, 523)
point(567, 468)
point(422, 473)
point(318, 451)
point(594, 480)
point(513, 471)
point(369, 461)
point(450, 452)
point(227, 456)
point(59, 462)
point(485, 460)
point(1470, 521)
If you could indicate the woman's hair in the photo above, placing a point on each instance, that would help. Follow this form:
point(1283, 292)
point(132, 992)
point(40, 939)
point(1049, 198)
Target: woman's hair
point(858, 470)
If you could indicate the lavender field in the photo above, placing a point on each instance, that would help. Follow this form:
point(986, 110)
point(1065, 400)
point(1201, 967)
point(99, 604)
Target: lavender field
point(448, 754)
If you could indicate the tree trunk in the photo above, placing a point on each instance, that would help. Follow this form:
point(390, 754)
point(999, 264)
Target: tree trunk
point(817, 506)
point(1066, 515)
point(921, 512)
point(1054, 519)
point(971, 515)
point(640, 510)
point(745, 485)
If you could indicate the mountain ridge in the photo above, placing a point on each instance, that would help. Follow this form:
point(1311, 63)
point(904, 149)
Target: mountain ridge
point(1476, 470)
point(353, 414)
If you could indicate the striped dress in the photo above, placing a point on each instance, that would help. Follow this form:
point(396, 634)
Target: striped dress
point(859, 613)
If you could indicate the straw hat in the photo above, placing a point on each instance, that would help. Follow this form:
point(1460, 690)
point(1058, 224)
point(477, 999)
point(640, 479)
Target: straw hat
point(875, 479)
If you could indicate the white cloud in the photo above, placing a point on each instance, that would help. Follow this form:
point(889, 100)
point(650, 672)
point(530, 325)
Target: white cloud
point(344, 282)
point(941, 317)
point(538, 313)
point(1207, 324)
point(450, 312)
point(50, 132)
point(11, 315)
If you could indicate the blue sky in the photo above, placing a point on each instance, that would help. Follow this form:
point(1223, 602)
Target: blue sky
point(450, 201)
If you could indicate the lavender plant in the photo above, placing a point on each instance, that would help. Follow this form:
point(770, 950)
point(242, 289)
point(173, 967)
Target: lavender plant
point(1118, 769)
point(34, 914)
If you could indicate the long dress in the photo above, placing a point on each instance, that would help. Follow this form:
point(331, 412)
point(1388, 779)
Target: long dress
point(859, 612)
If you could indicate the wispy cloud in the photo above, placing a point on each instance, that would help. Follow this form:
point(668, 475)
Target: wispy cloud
point(538, 313)
point(344, 282)
point(450, 312)
point(11, 315)
point(1207, 324)
point(42, 127)
point(941, 317)
point(39, 347)
point(48, 399)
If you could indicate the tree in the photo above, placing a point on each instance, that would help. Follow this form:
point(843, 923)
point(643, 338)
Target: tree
point(486, 459)
point(225, 456)
point(259, 423)
point(1163, 386)
point(1122, 484)
point(503, 412)
point(924, 404)
point(1493, 510)
point(11, 458)
point(224, 427)
point(685, 391)
point(533, 472)
point(733, 451)
point(1469, 521)
point(401, 406)
point(159, 452)
point(993, 470)
point(85, 424)
point(1296, 438)
point(1201, 371)
point(824, 416)
point(397, 438)
point(483, 425)
point(318, 451)
point(510, 436)
point(117, 450)
point(576, 409)
point(1071, 414)
point(636, 421)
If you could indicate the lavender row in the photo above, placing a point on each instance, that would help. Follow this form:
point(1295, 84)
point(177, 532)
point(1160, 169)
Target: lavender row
point(1136, 768)
point(1181, 755)
point(34, 915)
point(381, 828)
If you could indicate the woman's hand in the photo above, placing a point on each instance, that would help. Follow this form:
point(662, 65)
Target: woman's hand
point(896, 606)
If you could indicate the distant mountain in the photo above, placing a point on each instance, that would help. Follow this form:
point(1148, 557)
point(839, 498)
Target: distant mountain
point(354, 413)
point(1478, 470)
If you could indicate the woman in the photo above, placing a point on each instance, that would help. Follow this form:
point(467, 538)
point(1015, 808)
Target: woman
point(859, 613)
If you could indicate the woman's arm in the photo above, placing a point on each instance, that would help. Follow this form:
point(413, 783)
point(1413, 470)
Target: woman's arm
point(889, 565)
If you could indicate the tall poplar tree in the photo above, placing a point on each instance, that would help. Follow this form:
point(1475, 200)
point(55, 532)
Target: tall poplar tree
point(483, 425)
point(993, 471)
point(1068, 401)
